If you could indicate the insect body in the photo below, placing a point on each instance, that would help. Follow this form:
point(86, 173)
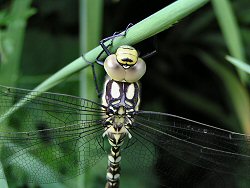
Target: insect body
point(122, 97)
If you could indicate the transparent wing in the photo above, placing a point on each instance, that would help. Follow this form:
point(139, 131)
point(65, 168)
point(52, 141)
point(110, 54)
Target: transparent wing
point(48, 137)
point(139, 156)
point(196, 143)
point(55, 109)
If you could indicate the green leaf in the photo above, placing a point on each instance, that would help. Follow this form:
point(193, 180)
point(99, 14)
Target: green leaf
point(91, 14)
point(236, 92)
point(33, 162)
point(230, 30)
point(11, 40)
point(239, 64)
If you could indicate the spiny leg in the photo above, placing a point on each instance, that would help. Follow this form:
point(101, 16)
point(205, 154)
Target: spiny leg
point(99, 93)
point(149, 54)
point(105, 48)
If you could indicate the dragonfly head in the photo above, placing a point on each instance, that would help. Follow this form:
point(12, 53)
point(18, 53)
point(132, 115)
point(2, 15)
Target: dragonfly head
point(125, 65)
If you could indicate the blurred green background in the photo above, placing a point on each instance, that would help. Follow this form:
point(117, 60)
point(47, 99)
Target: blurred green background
point(188, 76)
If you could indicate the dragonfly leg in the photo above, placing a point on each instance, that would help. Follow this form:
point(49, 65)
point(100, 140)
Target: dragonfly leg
point(149, 54)
point(106, 50)
point(116, 34)
point(99, 93)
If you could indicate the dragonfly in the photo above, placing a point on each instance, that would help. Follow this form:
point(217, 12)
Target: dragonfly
point(50, 137)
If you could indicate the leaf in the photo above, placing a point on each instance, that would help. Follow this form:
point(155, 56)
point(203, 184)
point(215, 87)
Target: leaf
point(35, 162)
point(236, 92)
point(230, 30)
point(239, 64)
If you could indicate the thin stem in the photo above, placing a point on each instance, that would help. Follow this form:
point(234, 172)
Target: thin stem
point(146, 28)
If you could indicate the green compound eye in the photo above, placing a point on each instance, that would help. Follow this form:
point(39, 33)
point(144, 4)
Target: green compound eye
point(113, 68)
point(126, 55)
point(134, 73)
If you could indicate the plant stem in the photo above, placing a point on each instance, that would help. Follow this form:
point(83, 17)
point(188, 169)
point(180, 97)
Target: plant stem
point(90, 31)
point(146, 28)
point(11, 45)
point(231, 31)
point(11, 40)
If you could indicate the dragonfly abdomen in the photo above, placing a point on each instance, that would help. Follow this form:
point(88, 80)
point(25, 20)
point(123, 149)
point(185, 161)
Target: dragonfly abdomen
point(113, 171)
point(122, 100)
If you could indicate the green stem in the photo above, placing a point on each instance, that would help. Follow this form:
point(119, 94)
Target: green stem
point(146, 28)
point(11, 44)
point(231, 31)
point(11, 40)
point(90, 32)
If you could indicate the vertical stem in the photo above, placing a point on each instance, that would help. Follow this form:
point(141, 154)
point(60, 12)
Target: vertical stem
point(11, 41)
point(90, 31)
point(231, 31)
point(11, 45)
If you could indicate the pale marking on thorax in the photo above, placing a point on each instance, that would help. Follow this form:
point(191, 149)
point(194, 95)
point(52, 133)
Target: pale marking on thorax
point(115, 90)
point(130, 91)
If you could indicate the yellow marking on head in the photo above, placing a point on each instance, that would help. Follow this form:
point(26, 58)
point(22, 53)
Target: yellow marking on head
point(126, 55)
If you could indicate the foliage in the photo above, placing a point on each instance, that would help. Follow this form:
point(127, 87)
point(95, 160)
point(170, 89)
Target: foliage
point(188, 76)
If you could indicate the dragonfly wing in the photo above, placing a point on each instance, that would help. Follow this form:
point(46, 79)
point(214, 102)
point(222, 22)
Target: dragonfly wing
point(155, 168)
point(196, 143)
point(48, 136)
point(54, 154)
point(33, 108)
point(139, 156)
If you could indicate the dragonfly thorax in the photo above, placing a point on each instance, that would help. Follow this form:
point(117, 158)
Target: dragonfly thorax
point(121, 98)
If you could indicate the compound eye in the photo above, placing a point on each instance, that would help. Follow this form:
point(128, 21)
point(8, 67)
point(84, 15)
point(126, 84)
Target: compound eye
point(133, 74)
point(113, 68)
point(126, 55)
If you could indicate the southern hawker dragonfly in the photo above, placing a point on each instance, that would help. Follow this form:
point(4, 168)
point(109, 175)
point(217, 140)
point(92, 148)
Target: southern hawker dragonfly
point(57, 136)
